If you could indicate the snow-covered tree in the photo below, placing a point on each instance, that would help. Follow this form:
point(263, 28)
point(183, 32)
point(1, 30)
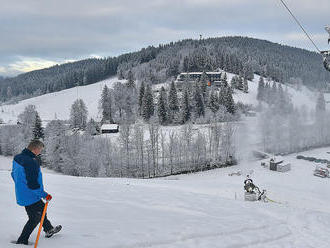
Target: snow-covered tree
point(234, 82)
point(245, 86)
point(78, 114)
point(213, 102)
point(38, 131)
point(130, 79)
point(185, 106)
point(199, 107)
point(203, 82)
point(162, 107)
point(141, 95)
point(92, 128)
point(229, 101)
point(27, 120)
point(106, 105)
point(148, 104)
point(261, 90)
point(173, 102)
point(119, 97)
point(320, 104)
point(240, 83)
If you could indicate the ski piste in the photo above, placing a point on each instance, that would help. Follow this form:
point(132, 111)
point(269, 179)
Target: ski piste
point(56, 230)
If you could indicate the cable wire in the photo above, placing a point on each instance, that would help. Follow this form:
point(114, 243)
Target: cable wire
point(282, 1)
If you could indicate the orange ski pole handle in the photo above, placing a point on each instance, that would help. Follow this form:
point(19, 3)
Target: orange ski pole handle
point(41, 223)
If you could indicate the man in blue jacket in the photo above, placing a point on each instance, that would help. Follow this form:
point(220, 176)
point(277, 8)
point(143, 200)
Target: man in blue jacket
point(29, 190)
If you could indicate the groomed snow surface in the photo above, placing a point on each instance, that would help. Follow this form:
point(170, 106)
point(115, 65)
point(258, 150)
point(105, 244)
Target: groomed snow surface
point(204, 210)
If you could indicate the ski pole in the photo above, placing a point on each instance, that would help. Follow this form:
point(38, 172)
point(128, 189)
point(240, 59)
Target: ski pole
point(41, 223)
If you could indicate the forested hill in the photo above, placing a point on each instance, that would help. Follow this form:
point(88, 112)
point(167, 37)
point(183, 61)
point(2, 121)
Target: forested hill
point(239, 55)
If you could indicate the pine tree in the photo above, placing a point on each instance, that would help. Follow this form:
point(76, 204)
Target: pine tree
point(173, 103)
point(222, 96)
point(130, 79)
point(9, 92)
point(186, 108)
point(280, 98)
point(245, 86)
point(261, 90)
point(92, 128)
point(222, 99)
point(233, 82)
point(199, 103)
point(203, 81)
point(148, 104)
point(229, 101)
point(267, 93)
point(106, 104)
point(225, 77)
point(162, 107)
point(38, 131)
point(240, 85)
point(273, 93)
point(141, 95)
point(186, 64)
point(213, 102)
point(320, 104)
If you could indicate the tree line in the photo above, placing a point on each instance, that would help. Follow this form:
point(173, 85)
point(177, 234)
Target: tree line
point(140, 150)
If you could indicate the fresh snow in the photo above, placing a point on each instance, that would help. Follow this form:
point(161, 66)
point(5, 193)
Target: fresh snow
point(58, 104)
point(201, 210)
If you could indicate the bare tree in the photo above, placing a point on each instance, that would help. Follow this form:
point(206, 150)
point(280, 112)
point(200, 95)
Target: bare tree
point(125, 139)
point(153, 127)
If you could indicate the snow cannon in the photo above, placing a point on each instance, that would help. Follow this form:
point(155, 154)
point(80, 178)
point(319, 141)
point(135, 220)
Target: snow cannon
point(252, 192)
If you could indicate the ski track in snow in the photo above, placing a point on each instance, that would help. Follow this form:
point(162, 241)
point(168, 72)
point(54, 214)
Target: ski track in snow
point(183, 211)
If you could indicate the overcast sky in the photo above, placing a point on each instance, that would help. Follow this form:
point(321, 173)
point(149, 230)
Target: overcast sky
point(40, 33)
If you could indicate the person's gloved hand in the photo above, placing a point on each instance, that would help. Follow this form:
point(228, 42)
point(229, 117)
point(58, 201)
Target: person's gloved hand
point(48, 197)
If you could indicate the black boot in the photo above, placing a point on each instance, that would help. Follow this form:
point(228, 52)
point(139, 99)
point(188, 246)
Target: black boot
point(53, 231)
point(21, 242)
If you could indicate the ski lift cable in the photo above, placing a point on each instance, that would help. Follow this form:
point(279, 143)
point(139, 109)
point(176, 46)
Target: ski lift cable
point(297, 21)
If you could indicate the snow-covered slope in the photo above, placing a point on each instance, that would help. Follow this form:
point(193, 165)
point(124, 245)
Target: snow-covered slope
point(200, 210)
point(59, 103)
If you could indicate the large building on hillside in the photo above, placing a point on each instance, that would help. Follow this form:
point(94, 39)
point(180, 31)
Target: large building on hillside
point(215, 79)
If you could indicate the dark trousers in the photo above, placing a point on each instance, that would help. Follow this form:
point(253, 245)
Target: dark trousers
point(34, 213)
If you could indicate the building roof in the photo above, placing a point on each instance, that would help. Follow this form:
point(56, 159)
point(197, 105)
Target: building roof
point(208, 72)
point(109, 126)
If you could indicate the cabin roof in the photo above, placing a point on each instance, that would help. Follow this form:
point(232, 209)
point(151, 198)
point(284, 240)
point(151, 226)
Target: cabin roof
point(109, 126)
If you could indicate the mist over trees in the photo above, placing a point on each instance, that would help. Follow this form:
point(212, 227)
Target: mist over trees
point(240, 55)
point(287, 129)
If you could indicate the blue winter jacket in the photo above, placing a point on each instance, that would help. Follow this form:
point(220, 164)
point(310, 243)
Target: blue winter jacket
point(27, 176)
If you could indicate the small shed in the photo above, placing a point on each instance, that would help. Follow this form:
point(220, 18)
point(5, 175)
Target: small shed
point(276, 164)
point(109, 128)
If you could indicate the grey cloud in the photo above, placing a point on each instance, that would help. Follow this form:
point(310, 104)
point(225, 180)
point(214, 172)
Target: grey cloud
point(59, 30)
